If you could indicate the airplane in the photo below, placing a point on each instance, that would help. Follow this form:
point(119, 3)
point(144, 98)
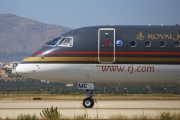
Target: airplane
point(115, 54)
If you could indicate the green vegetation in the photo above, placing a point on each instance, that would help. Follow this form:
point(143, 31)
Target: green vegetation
point(27, 89)
point(27, 117)
point(169, 116)
point(30, 86)
point(54, 114)
point(50, 114)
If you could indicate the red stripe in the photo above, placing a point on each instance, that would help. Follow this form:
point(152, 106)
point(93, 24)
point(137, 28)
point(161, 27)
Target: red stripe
point(108, 53)
point(150, 53)
point(74, 53)
point(38, 53)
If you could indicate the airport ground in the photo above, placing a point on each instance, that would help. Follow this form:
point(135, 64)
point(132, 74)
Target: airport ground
point(106, 106)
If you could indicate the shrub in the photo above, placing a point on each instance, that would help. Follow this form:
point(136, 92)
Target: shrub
point(27, 117)
point(118, 117)
point(169, 116)
point(50, 114)
point(80, 117)
point(165, 116)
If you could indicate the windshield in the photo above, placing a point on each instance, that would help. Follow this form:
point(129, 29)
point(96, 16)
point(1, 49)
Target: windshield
point(54, 41)
point(66, 42)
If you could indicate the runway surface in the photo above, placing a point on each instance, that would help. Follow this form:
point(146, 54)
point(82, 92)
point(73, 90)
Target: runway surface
point(103, 109)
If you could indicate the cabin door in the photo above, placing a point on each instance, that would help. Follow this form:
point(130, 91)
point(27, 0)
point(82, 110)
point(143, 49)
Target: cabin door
point(106, 45)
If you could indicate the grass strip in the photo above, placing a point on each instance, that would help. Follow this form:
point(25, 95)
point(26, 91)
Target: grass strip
point(80, 97)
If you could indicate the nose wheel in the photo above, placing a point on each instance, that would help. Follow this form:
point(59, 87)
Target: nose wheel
point(88, 102)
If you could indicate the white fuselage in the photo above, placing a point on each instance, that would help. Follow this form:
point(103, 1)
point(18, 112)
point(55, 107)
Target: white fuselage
point(103, 73)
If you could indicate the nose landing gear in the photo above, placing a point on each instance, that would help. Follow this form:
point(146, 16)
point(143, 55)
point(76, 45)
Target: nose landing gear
point(89, 101)
point(89, 87)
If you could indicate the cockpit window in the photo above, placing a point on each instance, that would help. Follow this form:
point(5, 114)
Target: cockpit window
point(54, 41)
point(66, 42)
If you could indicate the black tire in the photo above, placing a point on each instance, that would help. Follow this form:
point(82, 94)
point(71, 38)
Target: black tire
point(88, 103)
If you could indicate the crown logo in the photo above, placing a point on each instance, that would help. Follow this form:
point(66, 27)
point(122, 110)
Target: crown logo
point(140, 36)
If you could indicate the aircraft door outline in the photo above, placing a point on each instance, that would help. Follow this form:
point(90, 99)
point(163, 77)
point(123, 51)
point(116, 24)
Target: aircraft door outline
point(106, 45)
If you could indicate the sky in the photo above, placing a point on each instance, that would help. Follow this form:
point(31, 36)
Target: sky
point(81, 13)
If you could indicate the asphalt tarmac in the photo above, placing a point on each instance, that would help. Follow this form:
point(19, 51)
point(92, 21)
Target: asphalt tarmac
point(102, 109)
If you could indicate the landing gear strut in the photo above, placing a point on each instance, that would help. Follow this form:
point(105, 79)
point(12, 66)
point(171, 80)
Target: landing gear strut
point(89, 101)
point(89, 87)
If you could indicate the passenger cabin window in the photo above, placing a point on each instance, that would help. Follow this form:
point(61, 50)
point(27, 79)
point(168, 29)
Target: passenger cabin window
point(162, 43)
point(177, 44)
point(53, 42)
point(66, 42)
point(147, 43)
point(133, 43)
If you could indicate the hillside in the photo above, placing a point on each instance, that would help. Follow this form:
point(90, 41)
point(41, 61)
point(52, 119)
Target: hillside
point(20, 36)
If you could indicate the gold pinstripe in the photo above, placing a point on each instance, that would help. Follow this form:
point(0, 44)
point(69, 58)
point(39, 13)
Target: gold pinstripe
point(119, 59)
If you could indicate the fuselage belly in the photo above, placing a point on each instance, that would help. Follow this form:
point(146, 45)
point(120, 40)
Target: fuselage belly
point(104, 73)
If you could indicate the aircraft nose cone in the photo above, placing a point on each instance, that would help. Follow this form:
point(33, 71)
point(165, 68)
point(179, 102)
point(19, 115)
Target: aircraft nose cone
point(21, 70)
